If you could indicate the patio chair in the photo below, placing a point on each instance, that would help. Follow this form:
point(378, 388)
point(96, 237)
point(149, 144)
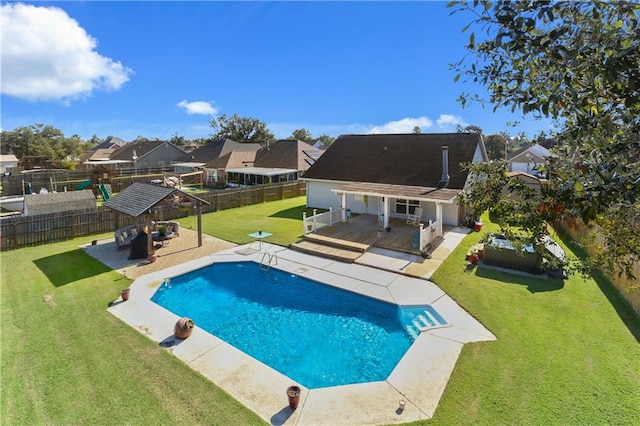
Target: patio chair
point(414, 219)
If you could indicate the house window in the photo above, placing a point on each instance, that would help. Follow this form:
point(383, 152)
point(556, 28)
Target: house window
point(406, 206)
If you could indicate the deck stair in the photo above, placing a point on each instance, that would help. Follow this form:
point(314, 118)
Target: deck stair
point(332, 248)
point(336, 242)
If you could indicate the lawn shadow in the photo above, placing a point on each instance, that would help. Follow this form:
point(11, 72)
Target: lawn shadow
point(70, 266)
point(623, 308)
point(295, 212)
point(534, 284)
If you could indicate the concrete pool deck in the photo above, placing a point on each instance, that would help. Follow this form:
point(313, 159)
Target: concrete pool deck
point(419, 379)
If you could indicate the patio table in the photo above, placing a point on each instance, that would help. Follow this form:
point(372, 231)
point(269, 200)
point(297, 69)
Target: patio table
point(259, 236)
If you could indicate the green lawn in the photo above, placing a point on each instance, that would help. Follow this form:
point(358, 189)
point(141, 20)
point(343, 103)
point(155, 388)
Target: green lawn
point(567, 353)
point(282, 218)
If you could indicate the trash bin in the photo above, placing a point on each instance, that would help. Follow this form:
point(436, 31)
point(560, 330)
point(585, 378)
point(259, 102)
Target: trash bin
point(415, 240)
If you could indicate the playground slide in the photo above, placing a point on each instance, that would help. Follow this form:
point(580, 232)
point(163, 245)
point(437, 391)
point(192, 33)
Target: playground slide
point(104, 192)
point(84, 185)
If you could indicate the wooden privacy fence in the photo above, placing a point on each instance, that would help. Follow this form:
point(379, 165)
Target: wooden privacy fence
point(25, 231)
point(626, 287)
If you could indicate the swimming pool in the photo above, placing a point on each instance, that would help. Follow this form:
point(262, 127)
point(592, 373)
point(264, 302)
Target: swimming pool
point(316, 334)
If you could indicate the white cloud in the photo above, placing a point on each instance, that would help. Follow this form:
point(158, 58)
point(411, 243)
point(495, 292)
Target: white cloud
point(450, 122)
point(198, 107)
point(405, 125)
point(46, 55)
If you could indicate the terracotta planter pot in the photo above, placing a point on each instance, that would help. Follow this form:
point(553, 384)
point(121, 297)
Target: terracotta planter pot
point(125, 294)
point(152, 258)
point(293, 393)
point(183, 328)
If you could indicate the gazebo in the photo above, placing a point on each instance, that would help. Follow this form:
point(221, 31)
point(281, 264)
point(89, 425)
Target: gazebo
point(139, 200)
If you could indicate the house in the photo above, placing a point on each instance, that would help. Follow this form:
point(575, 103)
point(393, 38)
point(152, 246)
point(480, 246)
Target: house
point(528, 159)
point(392, 175)
point(288, 154)
point(532, 181)
point(7, 162)
point(207, 158)
point(283, 161)
point(215, 170)
point(147, 154)
point(101, 154)
point(217, 149)
point(54, 202)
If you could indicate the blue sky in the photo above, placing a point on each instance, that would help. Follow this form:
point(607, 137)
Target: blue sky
point(158, 69)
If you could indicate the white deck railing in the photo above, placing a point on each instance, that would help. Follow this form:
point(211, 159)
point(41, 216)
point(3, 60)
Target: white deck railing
point(321, 220)
point(428, 234)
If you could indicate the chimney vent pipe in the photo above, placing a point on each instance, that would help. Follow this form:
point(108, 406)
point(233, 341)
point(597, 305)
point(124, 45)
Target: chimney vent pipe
point(445, 166)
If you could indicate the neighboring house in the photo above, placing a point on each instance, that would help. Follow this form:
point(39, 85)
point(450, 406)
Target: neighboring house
point(394, 174)
point(534, 182)
point(217, 149)
point(7, 162)
point(54, 202)
point(96, 156)
point(528, 159)
point(145, 154)
point(259, 175)
point(215, 170)
point(101, 154)
point(203, 158)
point(288, 154)
point(111, 142)
point(283, 161)
point(319, 145)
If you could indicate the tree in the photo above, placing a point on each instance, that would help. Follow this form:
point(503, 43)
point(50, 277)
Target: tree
point(417, 130)
point(301, 135)
point(496, 146)
point(326, 140)
point(579, 64)
point(241, 129)
point(469, 129)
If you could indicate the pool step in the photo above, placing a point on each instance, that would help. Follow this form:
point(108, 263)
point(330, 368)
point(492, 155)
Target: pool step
point(422, 322)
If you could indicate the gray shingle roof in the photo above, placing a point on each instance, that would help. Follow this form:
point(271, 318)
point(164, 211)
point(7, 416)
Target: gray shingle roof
point(142, 148)
point(233, 159)
point(285, 154)
point(217, 149)
point(396, 159)
point(55, 202)
point(138, 198)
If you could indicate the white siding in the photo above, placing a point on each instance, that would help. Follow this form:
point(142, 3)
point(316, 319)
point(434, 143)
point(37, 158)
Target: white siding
point(450, 214)
point(319, 195)
point(477, 156)
point(530, 168)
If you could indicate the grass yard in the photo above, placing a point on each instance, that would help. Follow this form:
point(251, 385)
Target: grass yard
point(281, 218)
point(567, 353)
point(66, 360)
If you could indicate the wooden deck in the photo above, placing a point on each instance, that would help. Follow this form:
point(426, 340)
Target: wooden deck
point(364, 229)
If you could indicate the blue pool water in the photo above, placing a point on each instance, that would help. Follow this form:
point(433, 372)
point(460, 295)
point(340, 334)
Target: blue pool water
point(316, 334)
